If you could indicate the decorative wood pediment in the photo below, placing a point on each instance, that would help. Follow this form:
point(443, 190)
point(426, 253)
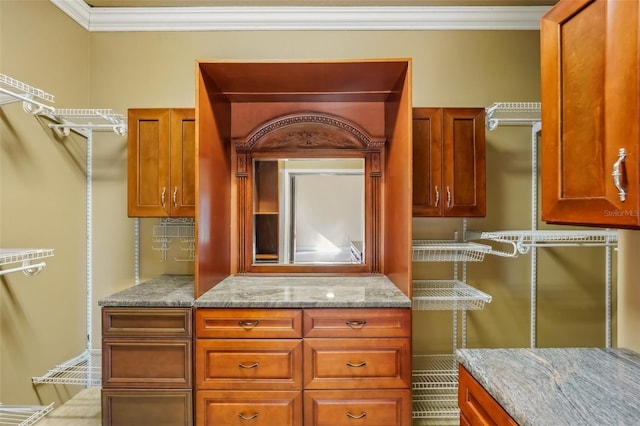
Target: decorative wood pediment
point(308, 130)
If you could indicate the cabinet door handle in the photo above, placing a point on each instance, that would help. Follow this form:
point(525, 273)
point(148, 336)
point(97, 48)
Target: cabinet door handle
point(248, 324)
point(175, 197)
point(243, 417)
point(356, 323)
point(618, 175)
point(357, 365)
point(254, 365)
point(164, 191)
point(448, 197)
point(360, 416)
point(437, 196)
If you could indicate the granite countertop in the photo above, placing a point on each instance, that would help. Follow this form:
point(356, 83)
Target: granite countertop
point(244, 291)
point(163, 291)
point(574, 386)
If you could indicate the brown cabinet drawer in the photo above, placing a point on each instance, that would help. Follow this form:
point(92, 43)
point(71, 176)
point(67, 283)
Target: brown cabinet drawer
point(357, 363)
point(146, 322)
point(242, 408)
point(249, 323)
point(249, 364)
point(388, 407)
point(477, 407)
point(389, 322)
point(146, 407)
point(156, 363)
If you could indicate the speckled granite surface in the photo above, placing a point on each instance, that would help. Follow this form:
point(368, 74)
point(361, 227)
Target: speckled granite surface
point(164, 291)
point(242, 291)
point(560, 386)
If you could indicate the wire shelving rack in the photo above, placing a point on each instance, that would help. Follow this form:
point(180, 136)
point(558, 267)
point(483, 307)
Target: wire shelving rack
point(23, 415)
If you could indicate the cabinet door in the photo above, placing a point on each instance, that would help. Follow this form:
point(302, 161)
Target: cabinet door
point(590, 111)
point(464, 162)
point(183, 162)
point(427, 162)
point(149, 162)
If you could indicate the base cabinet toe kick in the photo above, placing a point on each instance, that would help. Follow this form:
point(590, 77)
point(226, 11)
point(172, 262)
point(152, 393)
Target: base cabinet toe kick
point(311, 367)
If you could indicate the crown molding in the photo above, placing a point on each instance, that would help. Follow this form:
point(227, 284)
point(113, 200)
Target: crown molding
point(317, 18)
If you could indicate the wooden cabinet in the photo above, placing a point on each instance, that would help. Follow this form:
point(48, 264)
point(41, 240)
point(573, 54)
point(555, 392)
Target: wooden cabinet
point(449, 162)
point(308, 367)
point(147, 366)
point(590, 113)
point(161, 162)
point(477, 407)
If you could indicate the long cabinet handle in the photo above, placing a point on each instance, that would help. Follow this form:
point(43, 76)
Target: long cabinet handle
point(175, 197)
point(164, 191)
point(359, 416)
point(448, 197)
point(243, 417)
point(357, 365)
point(437, 196)
point(618, 175)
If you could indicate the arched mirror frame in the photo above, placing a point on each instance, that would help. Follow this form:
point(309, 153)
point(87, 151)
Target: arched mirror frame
point(309, 135)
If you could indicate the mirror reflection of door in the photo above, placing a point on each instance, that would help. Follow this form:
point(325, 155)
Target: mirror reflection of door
point(327, 210)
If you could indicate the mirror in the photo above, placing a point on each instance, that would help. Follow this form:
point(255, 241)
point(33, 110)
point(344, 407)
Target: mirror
point(308, 211)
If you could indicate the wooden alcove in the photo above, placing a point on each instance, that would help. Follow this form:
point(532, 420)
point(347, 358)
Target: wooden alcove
point(343, 107)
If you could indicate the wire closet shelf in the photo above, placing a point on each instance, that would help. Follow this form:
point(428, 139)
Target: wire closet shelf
point(84, 369)
point(448, 251)
point(435, 389)
point(447, 295)
point(26, 256)
point(23, 415)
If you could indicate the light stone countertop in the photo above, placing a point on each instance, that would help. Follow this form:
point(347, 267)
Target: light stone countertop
point(244, 291)
point(574, 386)
point(171, 291)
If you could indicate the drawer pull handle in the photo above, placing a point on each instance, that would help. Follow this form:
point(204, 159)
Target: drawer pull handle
point(356, 323)
point(360, 364)
point(254, 365)
point(247, 418)
point(248, 324)
point(361, 416)
point(618, 175)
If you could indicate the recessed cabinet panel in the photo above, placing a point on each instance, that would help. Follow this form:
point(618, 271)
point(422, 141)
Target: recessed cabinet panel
point(241, 408)
point(145, 407)
point(357, 322)
point(146, 322)
point(590, 113)
point(364, 407)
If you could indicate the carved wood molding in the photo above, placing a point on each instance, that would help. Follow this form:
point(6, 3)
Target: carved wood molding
point(308, 130)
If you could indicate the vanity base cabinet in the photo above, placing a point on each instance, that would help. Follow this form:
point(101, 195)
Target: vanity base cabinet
point(477, 407)
point(147, 366)
point(303, 367)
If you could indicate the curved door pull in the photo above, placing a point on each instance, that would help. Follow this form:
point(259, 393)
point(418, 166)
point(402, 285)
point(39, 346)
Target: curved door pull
point(356, 323)
point(248, 324)
point(448, 197)
point(254, 365)
point(437, 196)
point(164, 191)
point(618, 175)
point(175, 197)
point(243, 417)
point(360, 416)
point(359, 364)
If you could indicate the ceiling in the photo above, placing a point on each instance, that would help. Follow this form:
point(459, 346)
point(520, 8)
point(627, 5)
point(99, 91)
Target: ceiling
point(273, 3)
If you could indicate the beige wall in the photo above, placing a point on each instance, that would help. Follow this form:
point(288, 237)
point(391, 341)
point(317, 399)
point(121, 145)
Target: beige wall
point(42, 318)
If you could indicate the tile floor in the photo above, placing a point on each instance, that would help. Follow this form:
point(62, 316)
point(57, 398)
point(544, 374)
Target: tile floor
point(81, 410)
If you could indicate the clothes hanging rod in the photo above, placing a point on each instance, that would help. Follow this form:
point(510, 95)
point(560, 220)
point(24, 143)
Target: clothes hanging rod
point(29, 269)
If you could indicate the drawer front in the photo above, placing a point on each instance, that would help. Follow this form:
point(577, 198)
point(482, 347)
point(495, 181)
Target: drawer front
point(249, 323)
point(357, 363)
point(242, 408)
point(146, 322)
point(146, 407)
point(389, 407)
point(156, 363)
point(249, 364)
point(389, 322)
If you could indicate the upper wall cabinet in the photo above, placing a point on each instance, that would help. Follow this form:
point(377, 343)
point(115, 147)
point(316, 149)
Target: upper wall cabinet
point(590, 113)
point(161, 162)
point(449, 162)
